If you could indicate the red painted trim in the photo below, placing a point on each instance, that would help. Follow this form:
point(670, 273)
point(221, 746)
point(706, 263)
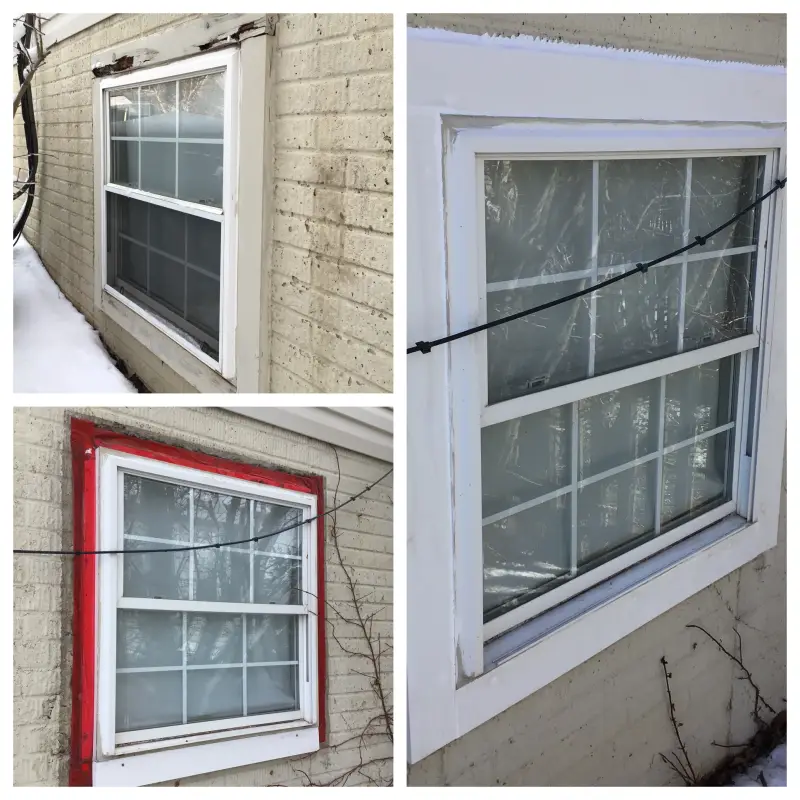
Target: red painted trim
point(85, 439)
point(83, 627)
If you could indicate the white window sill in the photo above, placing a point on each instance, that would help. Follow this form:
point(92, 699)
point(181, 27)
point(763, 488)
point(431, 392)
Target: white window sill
point(143, 769)
point(531, 656)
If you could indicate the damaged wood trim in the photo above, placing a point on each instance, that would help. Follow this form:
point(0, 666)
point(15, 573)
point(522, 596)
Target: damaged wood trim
point(205, 34)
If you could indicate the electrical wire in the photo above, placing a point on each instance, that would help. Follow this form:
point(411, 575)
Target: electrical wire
point(206, 546)
point(426, 346)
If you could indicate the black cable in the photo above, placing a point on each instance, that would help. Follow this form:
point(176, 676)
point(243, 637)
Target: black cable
point(206, 546)
point(426, 347)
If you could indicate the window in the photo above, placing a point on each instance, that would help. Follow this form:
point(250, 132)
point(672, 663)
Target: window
point(168, 188)
point(198, 647)
point(585, 469)
point(577, 490)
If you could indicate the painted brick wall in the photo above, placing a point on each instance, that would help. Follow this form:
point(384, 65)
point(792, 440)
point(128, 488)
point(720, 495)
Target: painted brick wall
point(332, 249)
point(606, 721)
point(42, 586)
point(330, 272)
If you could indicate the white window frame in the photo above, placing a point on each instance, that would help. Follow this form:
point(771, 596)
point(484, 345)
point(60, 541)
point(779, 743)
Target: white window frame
point(279, 733)
point(458, 679)
point(228, 60)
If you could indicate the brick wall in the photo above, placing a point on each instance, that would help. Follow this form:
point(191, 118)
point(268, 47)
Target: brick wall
point(332, 249)
point(330, 273)
point(606, 721)
point(42, 585)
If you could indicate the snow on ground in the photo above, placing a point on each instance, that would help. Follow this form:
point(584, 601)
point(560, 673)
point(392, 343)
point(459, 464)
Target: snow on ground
point(773, 766)
point(55, 348)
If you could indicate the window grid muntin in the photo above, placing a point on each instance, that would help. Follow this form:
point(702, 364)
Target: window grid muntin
point(765, 166)
point(299, 612)
point(213, 212)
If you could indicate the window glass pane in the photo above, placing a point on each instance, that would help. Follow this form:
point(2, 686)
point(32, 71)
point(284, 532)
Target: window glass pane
point(614, 512)
point(125, 163)
point(618, 427)
point(200, 173)
point(158, 575)
point(523, 552)
point(270, 517)
point(525, 458)
point(277, 580)
point(696, 479)
point(720, 187)
point(148, 700)
point(538, 218)
point(539, 351)
point(202, 301)
point(155, 508)
point(123, 110)
point(271, 638)
point(718, 300)
point(272, 689)
point(637, 319)
point(202, 106)
point(153, 271)
point(158, 168)
point(221, 518)
point(149, 638)
point(640, 213)
point(698, 400)
point(214, 639)
point(213, 694)
point(222, 575)
point(158, 111)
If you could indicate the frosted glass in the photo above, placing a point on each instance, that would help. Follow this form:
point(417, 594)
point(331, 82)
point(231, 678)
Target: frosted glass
point(272, 638)
point(270, 517)
point(538, 218)
point(213, 639)
point(213, 694)
point(698, 400)
point(696, 479)
point(618, 427)
point(277, 580)
point(149, 638)
point(525, 458)
point(615, 511)
point(155, 509)
point(148, 700)
point(523, 552)
point(272, 689)
point(539, 351)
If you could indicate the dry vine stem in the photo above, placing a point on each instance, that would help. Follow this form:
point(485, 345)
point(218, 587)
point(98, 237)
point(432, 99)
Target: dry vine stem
point(372, 651)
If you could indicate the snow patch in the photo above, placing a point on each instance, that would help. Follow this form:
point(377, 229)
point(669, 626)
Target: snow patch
point(55, 348)
point(773, 766)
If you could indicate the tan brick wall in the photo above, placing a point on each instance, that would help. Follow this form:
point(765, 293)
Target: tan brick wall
point(606, 721)
point(752, 38)
point(330, 270)
point(42, 585)
point(332, 251)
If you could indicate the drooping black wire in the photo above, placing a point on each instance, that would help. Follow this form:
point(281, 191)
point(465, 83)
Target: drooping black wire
point(206, 546)
point(426, 346)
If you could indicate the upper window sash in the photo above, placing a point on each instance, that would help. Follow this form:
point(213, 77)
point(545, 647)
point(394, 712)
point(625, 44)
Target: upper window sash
point(225, 60)
point(110, 536)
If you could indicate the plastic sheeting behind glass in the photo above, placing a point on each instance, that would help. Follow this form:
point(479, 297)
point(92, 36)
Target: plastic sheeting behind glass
point(567, 489)
point(555, 227)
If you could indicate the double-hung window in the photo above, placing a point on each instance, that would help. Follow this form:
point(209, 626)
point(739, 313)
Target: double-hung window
point(583, 469)
point(168, 195)
point(207, 619)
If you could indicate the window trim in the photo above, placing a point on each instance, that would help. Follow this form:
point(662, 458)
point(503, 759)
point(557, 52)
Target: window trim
point(455, 79)
point(227, 59)
point(133, 765)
